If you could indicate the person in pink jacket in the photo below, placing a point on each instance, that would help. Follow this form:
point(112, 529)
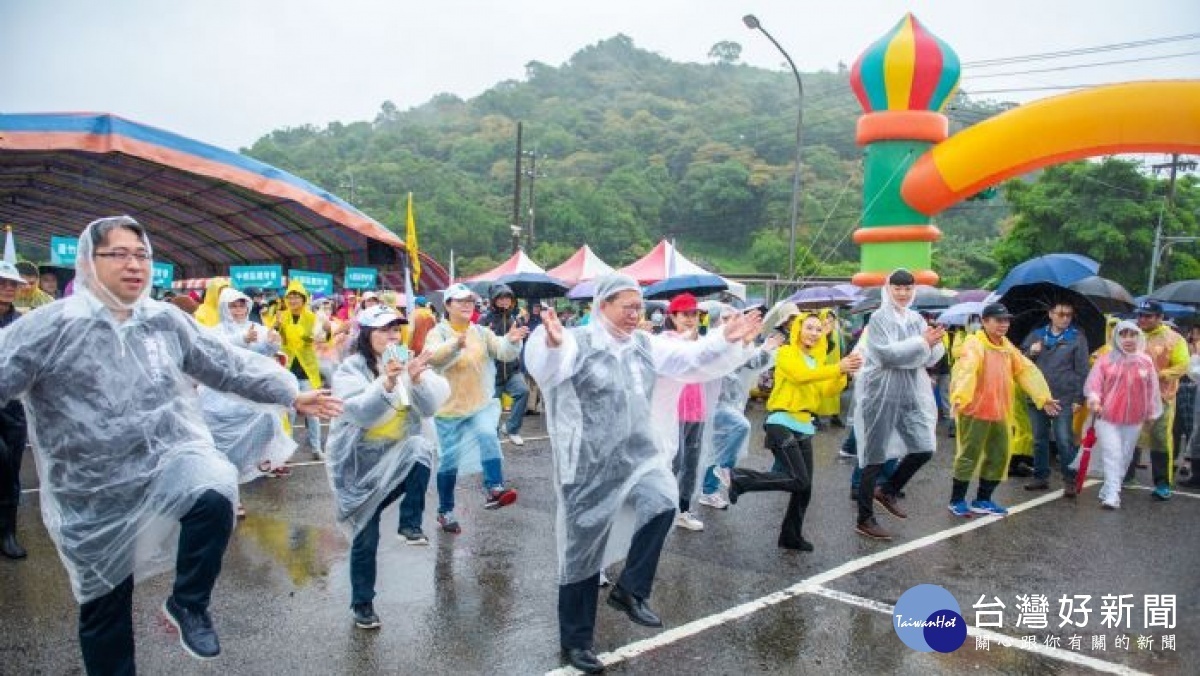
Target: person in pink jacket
point(1122, 393)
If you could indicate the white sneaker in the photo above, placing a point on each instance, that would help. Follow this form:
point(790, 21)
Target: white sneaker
point(516, 439)
point(714, 500)
point(689, 521)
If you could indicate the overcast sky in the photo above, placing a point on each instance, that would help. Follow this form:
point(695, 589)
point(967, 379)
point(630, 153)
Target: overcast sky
point(229, 71)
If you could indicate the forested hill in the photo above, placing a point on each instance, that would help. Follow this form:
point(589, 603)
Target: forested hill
point(630, 147)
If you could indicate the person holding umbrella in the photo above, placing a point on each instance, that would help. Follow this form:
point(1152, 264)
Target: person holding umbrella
point(981, 392)
point(1122, 393)
point(1060, 351)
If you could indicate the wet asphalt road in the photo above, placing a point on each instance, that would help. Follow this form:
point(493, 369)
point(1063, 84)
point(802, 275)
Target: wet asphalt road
point(484, 601)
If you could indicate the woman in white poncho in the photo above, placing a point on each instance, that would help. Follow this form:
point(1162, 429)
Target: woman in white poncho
point(612, 448)
point(127, 465)
point(376, 451)
point(251, 435)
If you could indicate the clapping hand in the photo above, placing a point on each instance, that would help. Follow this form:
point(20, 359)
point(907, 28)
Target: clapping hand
point(517, 333)
point(739, 327)
point(553, 326)
point(320, 403)
point(417, 366)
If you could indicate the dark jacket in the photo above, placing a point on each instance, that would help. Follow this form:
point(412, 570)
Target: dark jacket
point(501, 322)
point(1063, 361)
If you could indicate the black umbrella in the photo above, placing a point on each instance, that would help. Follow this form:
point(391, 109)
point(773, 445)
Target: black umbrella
point(1030, 304)
point(1107, 295)
point(1186, 292)
point(534, 285)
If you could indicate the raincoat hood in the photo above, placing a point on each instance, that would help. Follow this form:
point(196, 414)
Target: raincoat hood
point(227, 297)
point(209, 314)
point(86, 282)
point(1114, 341)
point(498, 290)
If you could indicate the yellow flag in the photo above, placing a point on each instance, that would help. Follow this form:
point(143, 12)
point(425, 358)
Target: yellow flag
point(410, 240)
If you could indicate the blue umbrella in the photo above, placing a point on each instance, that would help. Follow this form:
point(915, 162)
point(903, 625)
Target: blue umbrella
point(1058, 269)
point(699, 285)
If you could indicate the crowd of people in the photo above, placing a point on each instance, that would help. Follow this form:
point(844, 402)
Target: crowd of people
point(645, 407)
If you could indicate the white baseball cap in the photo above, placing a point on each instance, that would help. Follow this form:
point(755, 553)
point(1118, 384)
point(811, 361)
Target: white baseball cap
point(379, 316)
point(458, 292)
point(9, 271)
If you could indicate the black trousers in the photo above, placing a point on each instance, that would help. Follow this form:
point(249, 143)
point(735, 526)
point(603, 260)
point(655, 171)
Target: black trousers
point(577, 601)
point(904, 471)
point(13, 436)
point(793, 454)
point(106, 623)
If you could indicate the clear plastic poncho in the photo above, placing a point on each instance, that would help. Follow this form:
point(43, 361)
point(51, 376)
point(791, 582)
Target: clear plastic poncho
point(731, 427)
point(378, 438)
point(118, 436)
point(1125, 383)
point(252, 436)
point(892, 391)
point(611, 411)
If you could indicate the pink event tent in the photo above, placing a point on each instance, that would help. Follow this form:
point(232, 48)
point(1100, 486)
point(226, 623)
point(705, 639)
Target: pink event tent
point(665, 261)
point(516, 263)
point(582, 266)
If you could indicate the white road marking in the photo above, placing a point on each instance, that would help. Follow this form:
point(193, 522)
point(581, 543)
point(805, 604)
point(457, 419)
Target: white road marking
point(811, 585)
point(1069, 656)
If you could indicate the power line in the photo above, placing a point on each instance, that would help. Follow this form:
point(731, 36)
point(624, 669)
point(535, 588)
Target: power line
point(987, 63)
point(1086, 65)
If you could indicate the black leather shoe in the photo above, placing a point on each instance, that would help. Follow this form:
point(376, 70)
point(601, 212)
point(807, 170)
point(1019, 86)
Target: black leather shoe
point(635, 608)
point(583, 659)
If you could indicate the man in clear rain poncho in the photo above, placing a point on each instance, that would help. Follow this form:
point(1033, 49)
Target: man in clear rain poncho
point(128, 468)
point(612, 448)
point(894, 395)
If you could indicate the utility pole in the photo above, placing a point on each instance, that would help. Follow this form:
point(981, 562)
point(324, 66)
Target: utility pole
point(349, 185)
point(516, 219)
point(531, 173)
point(1169, 200)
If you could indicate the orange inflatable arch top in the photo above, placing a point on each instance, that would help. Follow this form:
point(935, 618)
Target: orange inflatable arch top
point(1135, 117)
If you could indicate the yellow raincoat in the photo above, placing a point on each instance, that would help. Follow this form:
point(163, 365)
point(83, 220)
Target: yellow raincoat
point(298, 342)
point(799, 388)
point(831, 405)
point(209, 314)
point(981, 382)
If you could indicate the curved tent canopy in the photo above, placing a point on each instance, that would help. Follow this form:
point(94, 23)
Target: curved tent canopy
point(205, 208)
point(665, 261)
point(582, 266)
point(516, 264)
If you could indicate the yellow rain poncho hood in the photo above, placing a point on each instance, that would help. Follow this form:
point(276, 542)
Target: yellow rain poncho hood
point(298, 342)
point(209, 312)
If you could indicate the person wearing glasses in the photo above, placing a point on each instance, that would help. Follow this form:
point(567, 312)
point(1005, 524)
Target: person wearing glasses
point(612, 398)
point(1060, 351)
point(131, 482)
point(13, 434)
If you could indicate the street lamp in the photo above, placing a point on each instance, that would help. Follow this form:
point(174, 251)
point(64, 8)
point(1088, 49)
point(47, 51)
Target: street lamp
point(752, 23)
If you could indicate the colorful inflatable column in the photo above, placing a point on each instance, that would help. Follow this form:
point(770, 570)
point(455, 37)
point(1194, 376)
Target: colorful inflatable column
point(901, 81)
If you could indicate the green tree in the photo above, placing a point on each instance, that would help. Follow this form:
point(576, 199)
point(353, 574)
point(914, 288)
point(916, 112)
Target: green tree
point(725, 53)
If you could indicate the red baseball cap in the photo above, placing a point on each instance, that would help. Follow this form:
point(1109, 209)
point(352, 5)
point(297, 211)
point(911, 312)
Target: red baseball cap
point(684, 302)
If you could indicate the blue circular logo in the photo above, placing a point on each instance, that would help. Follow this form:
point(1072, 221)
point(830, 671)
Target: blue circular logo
point(928, 618)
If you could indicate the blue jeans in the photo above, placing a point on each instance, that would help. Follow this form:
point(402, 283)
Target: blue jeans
point(366, 543)
point(493, 477)
point(1060, 426)
point(312, 424)
point(730, 431)
point(516, 388)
